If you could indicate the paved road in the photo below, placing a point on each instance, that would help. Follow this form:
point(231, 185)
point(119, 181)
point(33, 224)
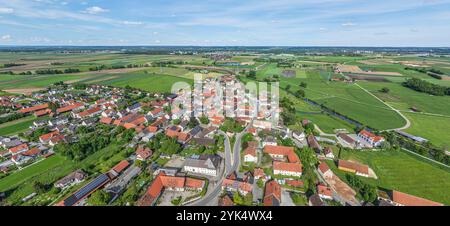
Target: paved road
point(227, 152)
point(214, 192)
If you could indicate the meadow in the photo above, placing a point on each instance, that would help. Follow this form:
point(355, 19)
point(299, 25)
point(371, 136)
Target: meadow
point(433, 128)
point(403, 172)
point(17, 126)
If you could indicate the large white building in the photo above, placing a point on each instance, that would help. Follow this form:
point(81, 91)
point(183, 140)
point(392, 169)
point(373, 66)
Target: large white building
point(287, 169)
point(204, 164)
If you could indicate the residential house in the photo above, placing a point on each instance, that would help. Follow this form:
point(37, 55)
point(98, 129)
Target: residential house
point(324, 192)
point(269, 140)
point(250, 155)
point(371, 138)
point(353, 167)
point(143, 153)
point(73, 178)
point(287, 169)
point(234, 185)
point(328, 152)
point(272, 194)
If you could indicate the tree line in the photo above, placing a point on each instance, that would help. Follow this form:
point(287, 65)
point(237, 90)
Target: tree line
point(426, 87)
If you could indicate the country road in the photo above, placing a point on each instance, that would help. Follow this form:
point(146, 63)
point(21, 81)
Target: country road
point(408, 123)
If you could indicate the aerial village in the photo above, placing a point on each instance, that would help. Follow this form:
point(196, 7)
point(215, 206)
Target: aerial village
point(183, 152)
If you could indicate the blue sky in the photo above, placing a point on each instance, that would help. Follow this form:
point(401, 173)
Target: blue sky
point(226, 22)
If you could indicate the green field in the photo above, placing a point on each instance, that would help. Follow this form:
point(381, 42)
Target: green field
point(403, 98)
point(433, 128)
point(403, 172)
point(17, 126)
point(50, 170)
point(44, 168)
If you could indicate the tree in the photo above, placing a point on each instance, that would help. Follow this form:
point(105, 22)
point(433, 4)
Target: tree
point(252, 74)
point(204, 120)
point(288, 87)
point(299, 93)
point(99, 198)
point(303, 84)
point(39, 187)
point(384, 90)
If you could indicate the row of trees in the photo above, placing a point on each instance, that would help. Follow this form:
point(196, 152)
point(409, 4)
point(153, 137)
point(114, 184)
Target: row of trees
point(56, 71)
point(7, 65)
point(11, 117)
point(426, 87)
point(427, 149)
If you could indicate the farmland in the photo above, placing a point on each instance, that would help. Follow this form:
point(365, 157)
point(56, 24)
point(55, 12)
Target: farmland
point(433, 128)
point(403, 172)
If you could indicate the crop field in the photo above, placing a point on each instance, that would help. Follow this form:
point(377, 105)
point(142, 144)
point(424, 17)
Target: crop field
point(403, 172)
point(350, 100)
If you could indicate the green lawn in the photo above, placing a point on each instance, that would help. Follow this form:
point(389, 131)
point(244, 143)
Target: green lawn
point(43, 168)
point(403, 172)
point(434, 128)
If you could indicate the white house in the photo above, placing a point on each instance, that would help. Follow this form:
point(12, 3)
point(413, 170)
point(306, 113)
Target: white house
point(250, 155)
point(204, 164)
point(287, 169)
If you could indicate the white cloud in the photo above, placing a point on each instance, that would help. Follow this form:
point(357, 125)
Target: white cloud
point(6, 38)
point(95, 10)
point(6, 10)
point(348, 24)
point(126, 22)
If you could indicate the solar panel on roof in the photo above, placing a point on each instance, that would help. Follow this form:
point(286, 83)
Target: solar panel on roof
point(91, 186)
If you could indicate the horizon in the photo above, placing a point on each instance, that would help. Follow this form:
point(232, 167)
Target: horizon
point(286, 23)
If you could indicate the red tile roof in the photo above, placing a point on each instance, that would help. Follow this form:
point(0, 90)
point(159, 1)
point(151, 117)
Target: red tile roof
point(121, 166)
point(31, 152)
point(295, 183)
point(370, 135)
point(250, 151)
point(48, 136)
point(152, 129)
point(144, 153)
point(323, 167)
point(282, 150)
point(411, 200)
point(183, 136)
point(162, 181)
point(324, 190)
point(18, 148)
point(68, 108)
point(106, 120)
point(273, 190)
point(34, 108)
point(42, 112)
point(364, 169)
point(89, 112)
point(286, 166)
